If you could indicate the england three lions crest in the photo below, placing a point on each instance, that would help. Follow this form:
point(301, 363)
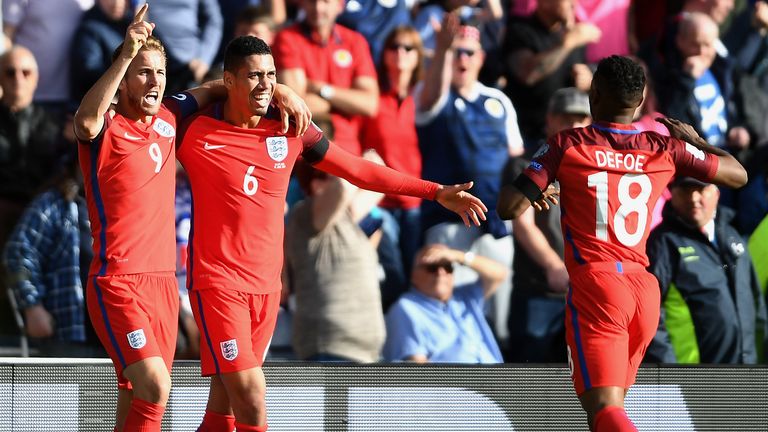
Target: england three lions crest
point(137, 339)
point(277, 147)
point(229, 349)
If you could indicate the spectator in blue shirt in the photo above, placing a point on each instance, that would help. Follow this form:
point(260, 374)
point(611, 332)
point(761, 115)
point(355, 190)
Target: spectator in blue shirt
point(44, 258)
point(437, 322)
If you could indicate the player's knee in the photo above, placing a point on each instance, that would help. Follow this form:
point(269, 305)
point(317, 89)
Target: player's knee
point(251, 399)
point(154, 388)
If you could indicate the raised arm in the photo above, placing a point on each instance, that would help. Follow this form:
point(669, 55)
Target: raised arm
point(729, 171)
point(89, 118)
point(438, 75)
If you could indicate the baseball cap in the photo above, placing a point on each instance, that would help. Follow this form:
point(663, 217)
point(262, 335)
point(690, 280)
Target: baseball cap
point(569, 100)
point(687, 181)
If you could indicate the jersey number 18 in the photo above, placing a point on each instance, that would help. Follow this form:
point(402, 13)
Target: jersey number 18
point(629, 204)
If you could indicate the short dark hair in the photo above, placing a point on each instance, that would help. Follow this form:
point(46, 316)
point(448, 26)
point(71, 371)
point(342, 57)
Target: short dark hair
point(240, 48)
point(621, 77)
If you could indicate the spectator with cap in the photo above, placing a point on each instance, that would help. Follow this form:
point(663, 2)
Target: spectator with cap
point(712, 308)
point(537, 307)
point(467, 131)
point(437, 321)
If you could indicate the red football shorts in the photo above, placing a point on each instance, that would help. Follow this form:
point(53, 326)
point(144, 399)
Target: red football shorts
point(611, 315)
point(235, 328)
point(136, 316)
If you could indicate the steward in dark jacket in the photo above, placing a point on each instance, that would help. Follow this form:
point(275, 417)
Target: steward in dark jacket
point(712, 310)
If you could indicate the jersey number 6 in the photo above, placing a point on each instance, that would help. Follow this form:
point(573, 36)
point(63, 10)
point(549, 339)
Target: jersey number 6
point(629, 204)
point(250, 183)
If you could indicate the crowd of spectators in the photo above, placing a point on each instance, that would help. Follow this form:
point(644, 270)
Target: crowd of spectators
point(449, 90)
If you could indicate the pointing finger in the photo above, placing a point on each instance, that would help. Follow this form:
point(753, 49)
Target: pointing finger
point(141, 13)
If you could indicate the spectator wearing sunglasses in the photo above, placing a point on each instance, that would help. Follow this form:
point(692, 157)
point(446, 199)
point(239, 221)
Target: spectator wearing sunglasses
point(466, 131)
point(392, 133)
point(438, 322)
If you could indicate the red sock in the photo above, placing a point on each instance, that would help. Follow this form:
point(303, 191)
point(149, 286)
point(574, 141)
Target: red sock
point(144, 417)
point(613, 419)
point(239, 427)
point(215, 422)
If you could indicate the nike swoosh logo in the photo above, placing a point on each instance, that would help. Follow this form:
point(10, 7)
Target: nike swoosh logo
point(131, 137)
point(212, 147)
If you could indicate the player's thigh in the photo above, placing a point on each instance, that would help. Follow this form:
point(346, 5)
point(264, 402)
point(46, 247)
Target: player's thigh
point(264, 311)
point(135, 317)
point(645, 323)
point(598, 312)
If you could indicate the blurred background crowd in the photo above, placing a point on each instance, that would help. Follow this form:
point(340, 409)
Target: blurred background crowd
point(449, 90)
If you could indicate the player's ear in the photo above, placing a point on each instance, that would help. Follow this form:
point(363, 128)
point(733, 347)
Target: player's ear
point(229, 79)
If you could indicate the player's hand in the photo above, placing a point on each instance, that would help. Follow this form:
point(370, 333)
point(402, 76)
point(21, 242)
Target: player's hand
point(292, 105)
point(137, 33)
point(458, 200)
point(38, 321)
point(550, 196)
point(679, 130)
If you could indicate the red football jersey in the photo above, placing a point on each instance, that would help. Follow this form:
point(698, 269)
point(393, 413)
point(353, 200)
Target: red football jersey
point(129, 172)
point(611, 176)
point(239, 179)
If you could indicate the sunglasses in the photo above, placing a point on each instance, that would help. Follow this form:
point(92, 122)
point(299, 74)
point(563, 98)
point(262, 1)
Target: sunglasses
point(11, 72)
point(434, 268)
point(397, 46)
point(463, 51)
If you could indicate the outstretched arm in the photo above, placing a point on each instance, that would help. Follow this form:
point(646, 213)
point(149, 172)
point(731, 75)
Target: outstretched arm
point(89, 118)
point(368, 175)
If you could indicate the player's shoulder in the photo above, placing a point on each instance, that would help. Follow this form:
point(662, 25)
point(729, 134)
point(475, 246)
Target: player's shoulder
point(654, 141)
point(571, 137)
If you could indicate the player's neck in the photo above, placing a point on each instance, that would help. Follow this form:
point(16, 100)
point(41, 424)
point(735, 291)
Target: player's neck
point(623, 117)
point(239, 118)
